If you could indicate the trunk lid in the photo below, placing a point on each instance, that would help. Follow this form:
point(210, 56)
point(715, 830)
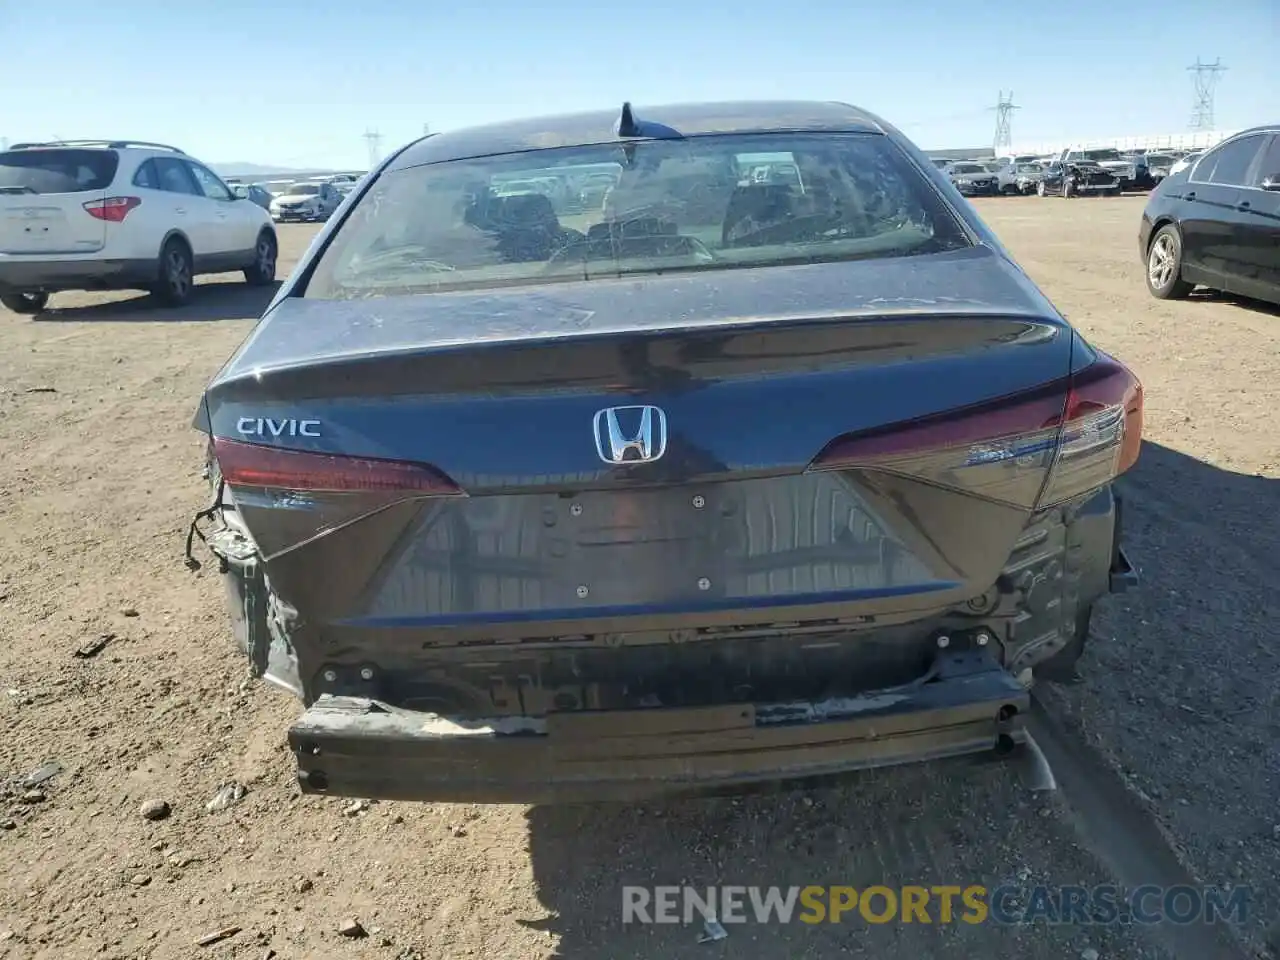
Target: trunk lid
point(42, 196)
point(747, 377)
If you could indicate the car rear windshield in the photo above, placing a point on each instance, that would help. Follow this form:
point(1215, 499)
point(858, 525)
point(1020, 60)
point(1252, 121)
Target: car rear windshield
point(704, 203)
point(303, 190)
point(57, 171)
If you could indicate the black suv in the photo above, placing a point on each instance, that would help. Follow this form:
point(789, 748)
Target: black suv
point(1075, 178)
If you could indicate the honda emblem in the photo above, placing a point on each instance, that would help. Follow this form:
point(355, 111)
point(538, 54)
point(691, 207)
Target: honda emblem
point(630, 434)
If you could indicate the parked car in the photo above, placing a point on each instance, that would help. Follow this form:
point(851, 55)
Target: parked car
point(1130, 172)
point(1217, 222)
point(494, 517)
point(1186, 160)
point(254, 193)
point(120, 215)
point(1006, 176)
point(973, 179)
point(1027, 177)
point(1017, 177)
point(1159, 164)
point(306, 202)
point(1076, 178)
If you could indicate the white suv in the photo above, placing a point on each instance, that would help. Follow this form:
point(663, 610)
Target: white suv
point(121, 215)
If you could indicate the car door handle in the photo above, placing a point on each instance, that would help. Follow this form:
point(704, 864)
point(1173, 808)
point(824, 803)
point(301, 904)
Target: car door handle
point(1190, 196)
point(180, 210)
point(1244, 205)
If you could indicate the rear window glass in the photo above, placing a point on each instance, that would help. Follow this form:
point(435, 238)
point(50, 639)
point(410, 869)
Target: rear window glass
point(582, 213)
point(57, 171)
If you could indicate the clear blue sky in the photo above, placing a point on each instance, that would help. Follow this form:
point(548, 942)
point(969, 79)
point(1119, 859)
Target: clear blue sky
point(297, 83)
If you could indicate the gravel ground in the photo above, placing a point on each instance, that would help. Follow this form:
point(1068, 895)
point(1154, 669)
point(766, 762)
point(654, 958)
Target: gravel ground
point(99, 474)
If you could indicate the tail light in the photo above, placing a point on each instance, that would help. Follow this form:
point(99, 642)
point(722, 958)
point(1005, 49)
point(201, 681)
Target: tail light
point(1101, 430)
point(112, 209)
point(1035, 449)
point(256, 465)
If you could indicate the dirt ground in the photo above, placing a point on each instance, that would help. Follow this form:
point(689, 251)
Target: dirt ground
point(99, 475)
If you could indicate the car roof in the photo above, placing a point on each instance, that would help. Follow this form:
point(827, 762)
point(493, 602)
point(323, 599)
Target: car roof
point(1263, 128)
point(657, 122)
point(117, 145)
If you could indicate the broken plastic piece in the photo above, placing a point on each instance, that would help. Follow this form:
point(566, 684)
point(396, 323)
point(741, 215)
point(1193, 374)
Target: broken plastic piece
point(228, 794)
point(94, 647)
point(713, 931)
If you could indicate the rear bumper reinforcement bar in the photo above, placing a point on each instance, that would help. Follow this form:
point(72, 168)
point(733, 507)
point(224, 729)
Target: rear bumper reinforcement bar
point(356, 747)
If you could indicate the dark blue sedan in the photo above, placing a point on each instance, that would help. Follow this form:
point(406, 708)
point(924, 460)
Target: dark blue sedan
point(729, 477)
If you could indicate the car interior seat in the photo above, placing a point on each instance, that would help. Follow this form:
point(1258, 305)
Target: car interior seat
point(753, 208)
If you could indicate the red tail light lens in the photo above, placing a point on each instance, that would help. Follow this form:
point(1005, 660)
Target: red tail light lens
point(1034, 449)
point(1005, 417)
point(112, 209)
point(256, 465)
point(1101, 430)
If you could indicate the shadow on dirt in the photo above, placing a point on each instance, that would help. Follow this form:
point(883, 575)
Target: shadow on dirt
point(1179, 507)
point(219, 300)
point(1180, 683)
point(1191, 528)
point(1204, 295)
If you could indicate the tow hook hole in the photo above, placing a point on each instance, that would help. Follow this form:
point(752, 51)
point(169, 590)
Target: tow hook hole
point(317, 780)
point(1006, 713)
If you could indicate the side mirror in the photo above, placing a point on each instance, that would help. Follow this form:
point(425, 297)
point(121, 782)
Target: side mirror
point(1271, 183)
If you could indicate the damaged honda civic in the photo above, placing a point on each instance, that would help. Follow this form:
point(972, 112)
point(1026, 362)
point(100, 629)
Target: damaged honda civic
point(772, 463)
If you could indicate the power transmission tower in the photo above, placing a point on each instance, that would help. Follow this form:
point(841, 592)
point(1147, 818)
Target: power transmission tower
point(1205, 76)
point(1004, 115)
point(374, 139)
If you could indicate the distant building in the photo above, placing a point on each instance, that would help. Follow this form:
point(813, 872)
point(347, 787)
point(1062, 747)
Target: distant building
point(1187, 140)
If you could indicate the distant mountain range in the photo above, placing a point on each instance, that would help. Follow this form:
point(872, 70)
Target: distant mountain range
point(258, 171)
